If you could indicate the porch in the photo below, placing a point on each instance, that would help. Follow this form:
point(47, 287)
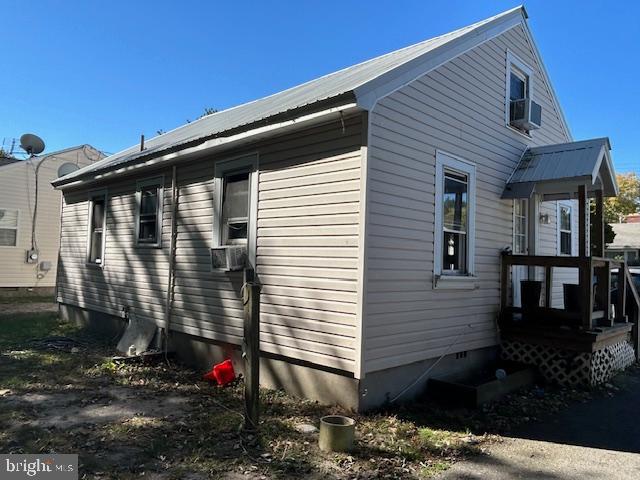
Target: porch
point(582, 337)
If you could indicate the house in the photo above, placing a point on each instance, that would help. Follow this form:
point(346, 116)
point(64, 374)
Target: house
point(22, 200)
point(375, 204)
point(626, 243)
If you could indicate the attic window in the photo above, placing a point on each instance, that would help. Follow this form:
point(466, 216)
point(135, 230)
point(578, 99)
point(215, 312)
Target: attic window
point(519, 86)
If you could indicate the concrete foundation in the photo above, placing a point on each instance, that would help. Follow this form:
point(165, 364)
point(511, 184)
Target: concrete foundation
point(378, 388)
point(297, 378)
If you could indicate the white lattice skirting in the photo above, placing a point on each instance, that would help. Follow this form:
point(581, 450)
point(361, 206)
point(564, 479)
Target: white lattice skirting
point(572, 368)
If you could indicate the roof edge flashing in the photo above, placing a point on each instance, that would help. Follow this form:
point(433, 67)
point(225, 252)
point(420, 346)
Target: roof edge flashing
point(208, 146)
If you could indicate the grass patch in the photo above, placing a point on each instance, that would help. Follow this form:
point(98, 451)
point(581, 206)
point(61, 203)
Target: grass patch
point(17, 329)
point(26, 299)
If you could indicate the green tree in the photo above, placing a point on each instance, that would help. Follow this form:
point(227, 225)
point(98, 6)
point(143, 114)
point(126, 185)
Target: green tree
point(627, 201)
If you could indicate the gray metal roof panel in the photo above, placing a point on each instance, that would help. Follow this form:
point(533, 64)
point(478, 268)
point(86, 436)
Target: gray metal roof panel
point(565, 160)
point(323, 88)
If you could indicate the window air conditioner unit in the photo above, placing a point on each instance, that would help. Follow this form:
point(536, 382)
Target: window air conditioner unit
point(525, 114)
point(229, 257)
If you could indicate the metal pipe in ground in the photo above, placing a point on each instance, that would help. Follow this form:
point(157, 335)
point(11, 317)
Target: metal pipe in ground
point(251, 354)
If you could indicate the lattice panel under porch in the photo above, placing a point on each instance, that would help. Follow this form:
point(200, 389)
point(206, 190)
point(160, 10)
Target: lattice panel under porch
point(571, 368)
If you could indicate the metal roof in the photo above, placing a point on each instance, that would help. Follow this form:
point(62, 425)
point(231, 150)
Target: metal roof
point(627, 236)
point(558, 169)
point(7, 161)
point(324, 88)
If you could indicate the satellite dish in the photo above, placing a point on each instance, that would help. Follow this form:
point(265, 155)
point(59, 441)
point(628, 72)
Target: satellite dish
point(67, 168)
point(32, 144)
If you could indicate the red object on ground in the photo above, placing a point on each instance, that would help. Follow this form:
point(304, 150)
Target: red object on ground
point(222, 373)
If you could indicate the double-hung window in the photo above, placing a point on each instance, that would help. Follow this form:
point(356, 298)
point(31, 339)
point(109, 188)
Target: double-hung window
point(455, 207)
point(235, 202)
point(520, 206)
point(564, 230)
point(455, 226)
point(97, 228)
point(149, 195)
point(8, 227)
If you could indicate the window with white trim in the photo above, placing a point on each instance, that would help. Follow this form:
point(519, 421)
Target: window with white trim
point(97, 228)
point(519, 86)
point(520, 207)
point(8, 227)
point(455, 205)
point(236, 203)
point(149, 195)
point(565, 240)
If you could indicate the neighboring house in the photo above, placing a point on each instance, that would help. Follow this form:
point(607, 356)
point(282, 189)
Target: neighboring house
point(626, 243)
point(17, 204)
point(374, 204)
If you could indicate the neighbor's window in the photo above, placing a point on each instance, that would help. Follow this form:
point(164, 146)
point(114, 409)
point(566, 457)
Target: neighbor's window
point(235, 209)
point(8, 228)
point(454, 216)
point(149, 218)
point(565, 229)
point(520, 226)
point(97, 228)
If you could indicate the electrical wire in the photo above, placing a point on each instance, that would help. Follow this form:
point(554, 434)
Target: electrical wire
point(425, 373)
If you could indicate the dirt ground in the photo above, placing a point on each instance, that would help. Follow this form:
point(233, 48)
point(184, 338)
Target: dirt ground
point(61, 391)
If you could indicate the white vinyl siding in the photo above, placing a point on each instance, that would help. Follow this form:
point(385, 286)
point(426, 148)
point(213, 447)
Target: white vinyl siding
point(306, 256)
point(458, 108)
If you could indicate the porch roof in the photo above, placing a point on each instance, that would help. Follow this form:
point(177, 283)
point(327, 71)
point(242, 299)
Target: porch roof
point(556, 171)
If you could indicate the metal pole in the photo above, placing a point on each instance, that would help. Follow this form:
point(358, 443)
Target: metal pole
point(251, 354)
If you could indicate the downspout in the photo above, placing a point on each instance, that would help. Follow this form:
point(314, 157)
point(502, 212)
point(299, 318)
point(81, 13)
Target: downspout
point(172, 256)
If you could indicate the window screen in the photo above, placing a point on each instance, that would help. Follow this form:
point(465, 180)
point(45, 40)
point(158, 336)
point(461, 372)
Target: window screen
point(235, 209)
point(518, 86)
point(8, 228)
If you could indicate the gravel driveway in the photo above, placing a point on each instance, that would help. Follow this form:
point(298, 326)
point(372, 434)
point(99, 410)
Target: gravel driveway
point(599, 438)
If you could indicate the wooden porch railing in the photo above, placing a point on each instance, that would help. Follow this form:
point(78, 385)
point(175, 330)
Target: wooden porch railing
point(600, 297)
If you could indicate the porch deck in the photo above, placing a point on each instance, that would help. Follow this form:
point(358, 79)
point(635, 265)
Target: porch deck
point(584, 343)
point(593, 325)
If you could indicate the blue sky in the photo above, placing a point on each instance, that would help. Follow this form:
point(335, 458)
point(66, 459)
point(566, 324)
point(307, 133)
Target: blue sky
point(105, 72)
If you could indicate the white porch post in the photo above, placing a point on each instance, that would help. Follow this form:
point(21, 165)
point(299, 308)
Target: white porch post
point(533, 226)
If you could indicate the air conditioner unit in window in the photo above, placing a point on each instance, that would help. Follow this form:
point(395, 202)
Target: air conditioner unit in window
point(229, 257)
point(525, 114)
